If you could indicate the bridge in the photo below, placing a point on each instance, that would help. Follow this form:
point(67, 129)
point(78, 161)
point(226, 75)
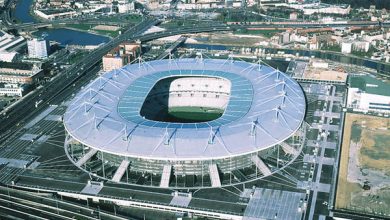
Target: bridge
point(168, 51)
point(29, 26)
point(233, 25)
point(9, 119)
point(52, 90)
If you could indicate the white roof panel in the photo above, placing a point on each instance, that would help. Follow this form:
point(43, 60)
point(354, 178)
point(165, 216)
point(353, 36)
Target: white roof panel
point(105, 114)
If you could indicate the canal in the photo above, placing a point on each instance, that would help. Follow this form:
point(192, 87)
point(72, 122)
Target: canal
point(72, 37)
point(380, 67)
point(61, 35)
point(21, 12)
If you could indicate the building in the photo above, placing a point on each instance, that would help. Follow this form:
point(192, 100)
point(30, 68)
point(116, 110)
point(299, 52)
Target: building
point(314, 7)
point(9, 42)
point(125, 6)
point(284, 38)
point(368, 94)
point(328, 9)
point(372, 8)
point(275, 3)
point(346, 47)
point(203, 4)
point(316, 71)
point(293, 16)
point(313, 44)
point(361, 45)
point(38, 48)
point(13, 89)
point(6, 56)
point(207, 4)
point(373, 36)
point(187, 123)
point(298, 38)
point(55, 14)
point(121, 55)
point(19, 73)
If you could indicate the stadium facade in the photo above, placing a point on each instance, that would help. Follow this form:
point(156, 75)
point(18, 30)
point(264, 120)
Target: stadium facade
point(120, 126)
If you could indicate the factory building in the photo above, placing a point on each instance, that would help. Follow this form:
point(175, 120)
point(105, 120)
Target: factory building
point(38, 48)
point(368, 94)
point(121, 55)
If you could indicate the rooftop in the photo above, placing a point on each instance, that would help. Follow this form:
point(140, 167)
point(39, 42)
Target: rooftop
point(20, 66)
point(265, 108)
point(370, 84)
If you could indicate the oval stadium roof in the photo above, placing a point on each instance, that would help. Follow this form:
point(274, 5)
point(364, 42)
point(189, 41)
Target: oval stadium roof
point(265, 108)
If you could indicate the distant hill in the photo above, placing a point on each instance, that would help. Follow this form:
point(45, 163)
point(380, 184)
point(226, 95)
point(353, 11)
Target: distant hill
point(361, 3)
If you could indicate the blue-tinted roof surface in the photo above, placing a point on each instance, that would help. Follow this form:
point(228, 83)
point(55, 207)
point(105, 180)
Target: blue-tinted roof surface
point(131, 102)
point(265, 108)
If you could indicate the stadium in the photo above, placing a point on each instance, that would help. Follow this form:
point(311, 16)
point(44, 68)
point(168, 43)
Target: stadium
point(186, 123)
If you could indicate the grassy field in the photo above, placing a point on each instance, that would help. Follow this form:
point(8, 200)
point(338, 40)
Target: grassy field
point(195, 113)
point(131, 18)
point(84, 27)
point(265, 33)
point(375, 137)
point(77, 56)
point(365, 156)
point(107, 33)
point(90, 28)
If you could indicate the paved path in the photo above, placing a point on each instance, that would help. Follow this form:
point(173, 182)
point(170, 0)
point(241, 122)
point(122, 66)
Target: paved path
point(322, 143)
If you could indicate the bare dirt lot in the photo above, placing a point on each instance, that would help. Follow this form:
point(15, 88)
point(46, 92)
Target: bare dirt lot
point(365, 161)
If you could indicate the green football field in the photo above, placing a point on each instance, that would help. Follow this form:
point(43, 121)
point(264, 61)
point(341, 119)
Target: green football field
point(195, 113)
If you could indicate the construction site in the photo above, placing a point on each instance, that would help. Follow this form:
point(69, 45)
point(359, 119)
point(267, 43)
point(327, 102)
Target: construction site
point(364, 183)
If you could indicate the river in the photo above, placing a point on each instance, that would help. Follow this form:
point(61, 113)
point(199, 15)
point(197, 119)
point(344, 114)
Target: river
point(62, 35)
point(380, 67)
point(21, 11)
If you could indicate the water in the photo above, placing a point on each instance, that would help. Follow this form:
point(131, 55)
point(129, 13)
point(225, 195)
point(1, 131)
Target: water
point(61, 35)
point(22, 11)
point(383, 68)
point(277, 64)
point(207, 46)
point(71, 37)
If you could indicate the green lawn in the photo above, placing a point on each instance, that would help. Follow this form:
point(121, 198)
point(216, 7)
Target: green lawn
point(107, 33)
point(356, 132)
point(88, 27)
point(265, 33)
point(335, 48)
point(195, 113)
point(379, 150)
point(76, 57)
point(133, 18)
point(84, 27)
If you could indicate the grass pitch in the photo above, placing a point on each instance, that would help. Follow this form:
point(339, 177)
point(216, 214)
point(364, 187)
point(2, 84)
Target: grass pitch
point(195, 113)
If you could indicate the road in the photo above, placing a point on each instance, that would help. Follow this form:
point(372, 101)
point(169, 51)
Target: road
point(276, 25)
point(66, 78)
point(25, 109)
point(69, 76)
point(27, 205)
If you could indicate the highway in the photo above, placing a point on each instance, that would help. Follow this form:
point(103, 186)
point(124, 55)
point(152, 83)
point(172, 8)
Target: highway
point(69, 76)
point(285, 24)
point(51, 90)
point(6, 14)
point(27, 205)
point(24, 110)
